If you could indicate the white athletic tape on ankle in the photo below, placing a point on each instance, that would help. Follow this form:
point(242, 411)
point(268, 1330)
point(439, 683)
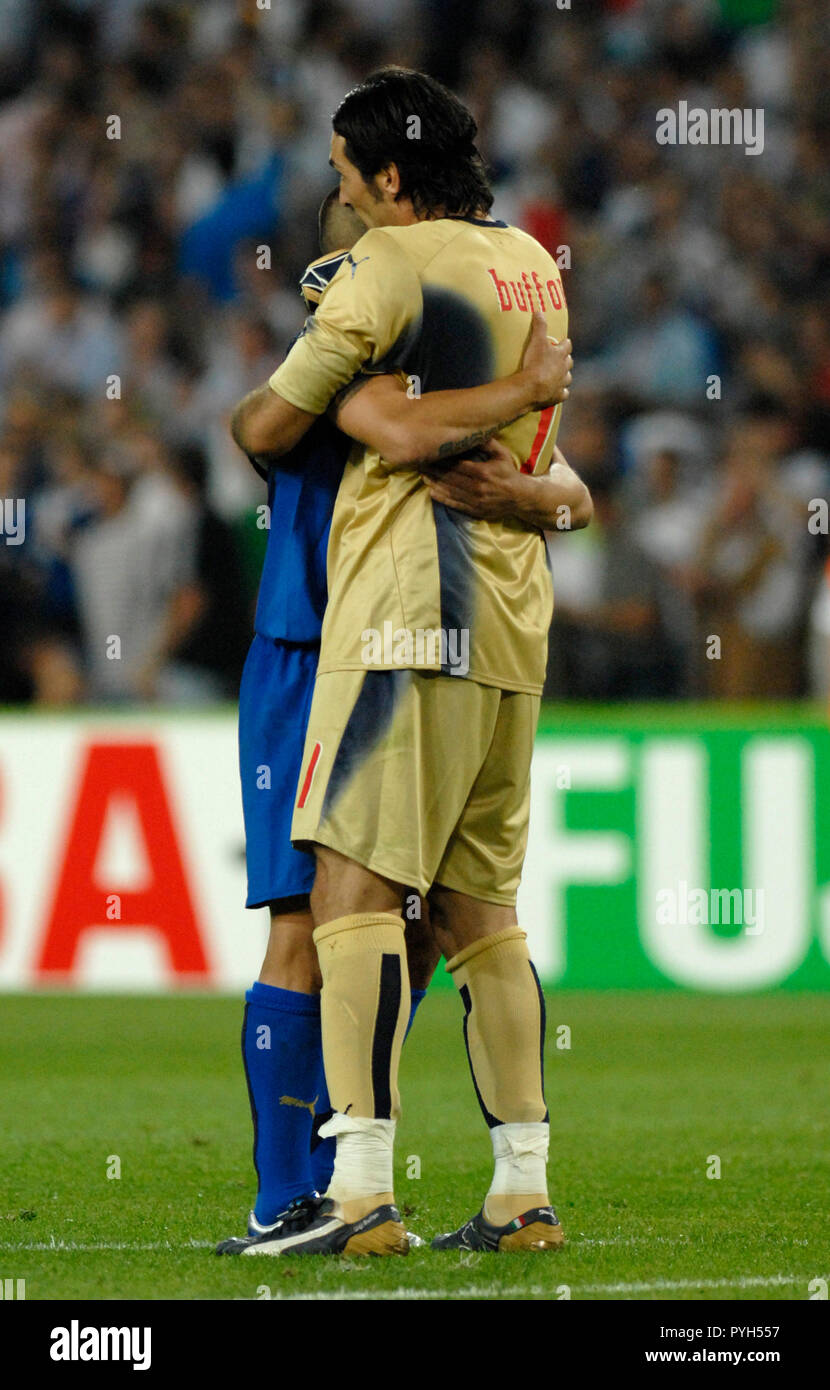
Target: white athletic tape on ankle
point(364, 1161)
point(521, 1155)
point(357, 1124)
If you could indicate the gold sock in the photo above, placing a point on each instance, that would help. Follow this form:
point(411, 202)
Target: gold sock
point(364, 1011)
point(504, 1026)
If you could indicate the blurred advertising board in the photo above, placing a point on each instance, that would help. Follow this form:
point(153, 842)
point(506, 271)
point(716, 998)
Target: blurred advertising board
point(669, 848)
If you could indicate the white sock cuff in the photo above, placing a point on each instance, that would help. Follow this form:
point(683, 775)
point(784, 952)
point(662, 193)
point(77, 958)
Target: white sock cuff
point(382, 1130)
point(516, 1140)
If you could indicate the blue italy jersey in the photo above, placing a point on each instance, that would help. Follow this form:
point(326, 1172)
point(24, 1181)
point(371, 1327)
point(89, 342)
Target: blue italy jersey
point(301, 492)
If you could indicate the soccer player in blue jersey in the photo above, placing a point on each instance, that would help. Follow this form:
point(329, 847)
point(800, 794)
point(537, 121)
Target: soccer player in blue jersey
point(281, 1035)
point(281, 1041)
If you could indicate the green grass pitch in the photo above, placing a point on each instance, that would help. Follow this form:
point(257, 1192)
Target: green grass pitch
point(652, 1087)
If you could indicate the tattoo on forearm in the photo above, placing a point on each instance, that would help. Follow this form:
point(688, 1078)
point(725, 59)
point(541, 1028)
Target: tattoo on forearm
point(455, 447)
point(459, 448)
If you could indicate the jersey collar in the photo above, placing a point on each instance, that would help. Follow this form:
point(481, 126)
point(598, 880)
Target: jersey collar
point(476, 221)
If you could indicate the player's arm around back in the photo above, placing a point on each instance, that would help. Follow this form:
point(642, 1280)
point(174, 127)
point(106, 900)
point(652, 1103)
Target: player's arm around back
point(409, 430)
point(566, 497)
point(493, 489)
point(362, 318)
point(264, 425)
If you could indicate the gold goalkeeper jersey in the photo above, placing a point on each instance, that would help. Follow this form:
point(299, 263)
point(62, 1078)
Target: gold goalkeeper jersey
point(448, 304)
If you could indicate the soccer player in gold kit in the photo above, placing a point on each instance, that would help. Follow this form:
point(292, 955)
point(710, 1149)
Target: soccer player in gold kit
point(417, 758)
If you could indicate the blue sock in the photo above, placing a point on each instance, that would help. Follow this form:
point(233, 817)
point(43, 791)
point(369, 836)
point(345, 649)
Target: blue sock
point(282, 1052)
point(323, 1150)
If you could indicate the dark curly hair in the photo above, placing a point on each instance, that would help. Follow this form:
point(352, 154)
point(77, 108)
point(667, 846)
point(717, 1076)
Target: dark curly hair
point(408, 119)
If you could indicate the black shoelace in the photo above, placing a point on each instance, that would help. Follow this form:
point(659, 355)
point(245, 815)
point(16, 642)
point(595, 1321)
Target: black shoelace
point(301, 1212)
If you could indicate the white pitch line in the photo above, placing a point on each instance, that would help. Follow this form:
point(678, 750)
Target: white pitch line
point(748, 1281)
point(496, 1291)
point(523, 1292)
point(472, 1291)
point(91, 1247)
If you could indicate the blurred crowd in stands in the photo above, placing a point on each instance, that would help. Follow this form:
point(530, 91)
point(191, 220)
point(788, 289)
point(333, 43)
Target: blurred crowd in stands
point(150, 151)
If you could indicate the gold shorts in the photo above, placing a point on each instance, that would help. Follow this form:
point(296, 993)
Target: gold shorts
point(421, 778)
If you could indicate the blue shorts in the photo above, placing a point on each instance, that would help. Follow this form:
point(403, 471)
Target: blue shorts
point(274, 703)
